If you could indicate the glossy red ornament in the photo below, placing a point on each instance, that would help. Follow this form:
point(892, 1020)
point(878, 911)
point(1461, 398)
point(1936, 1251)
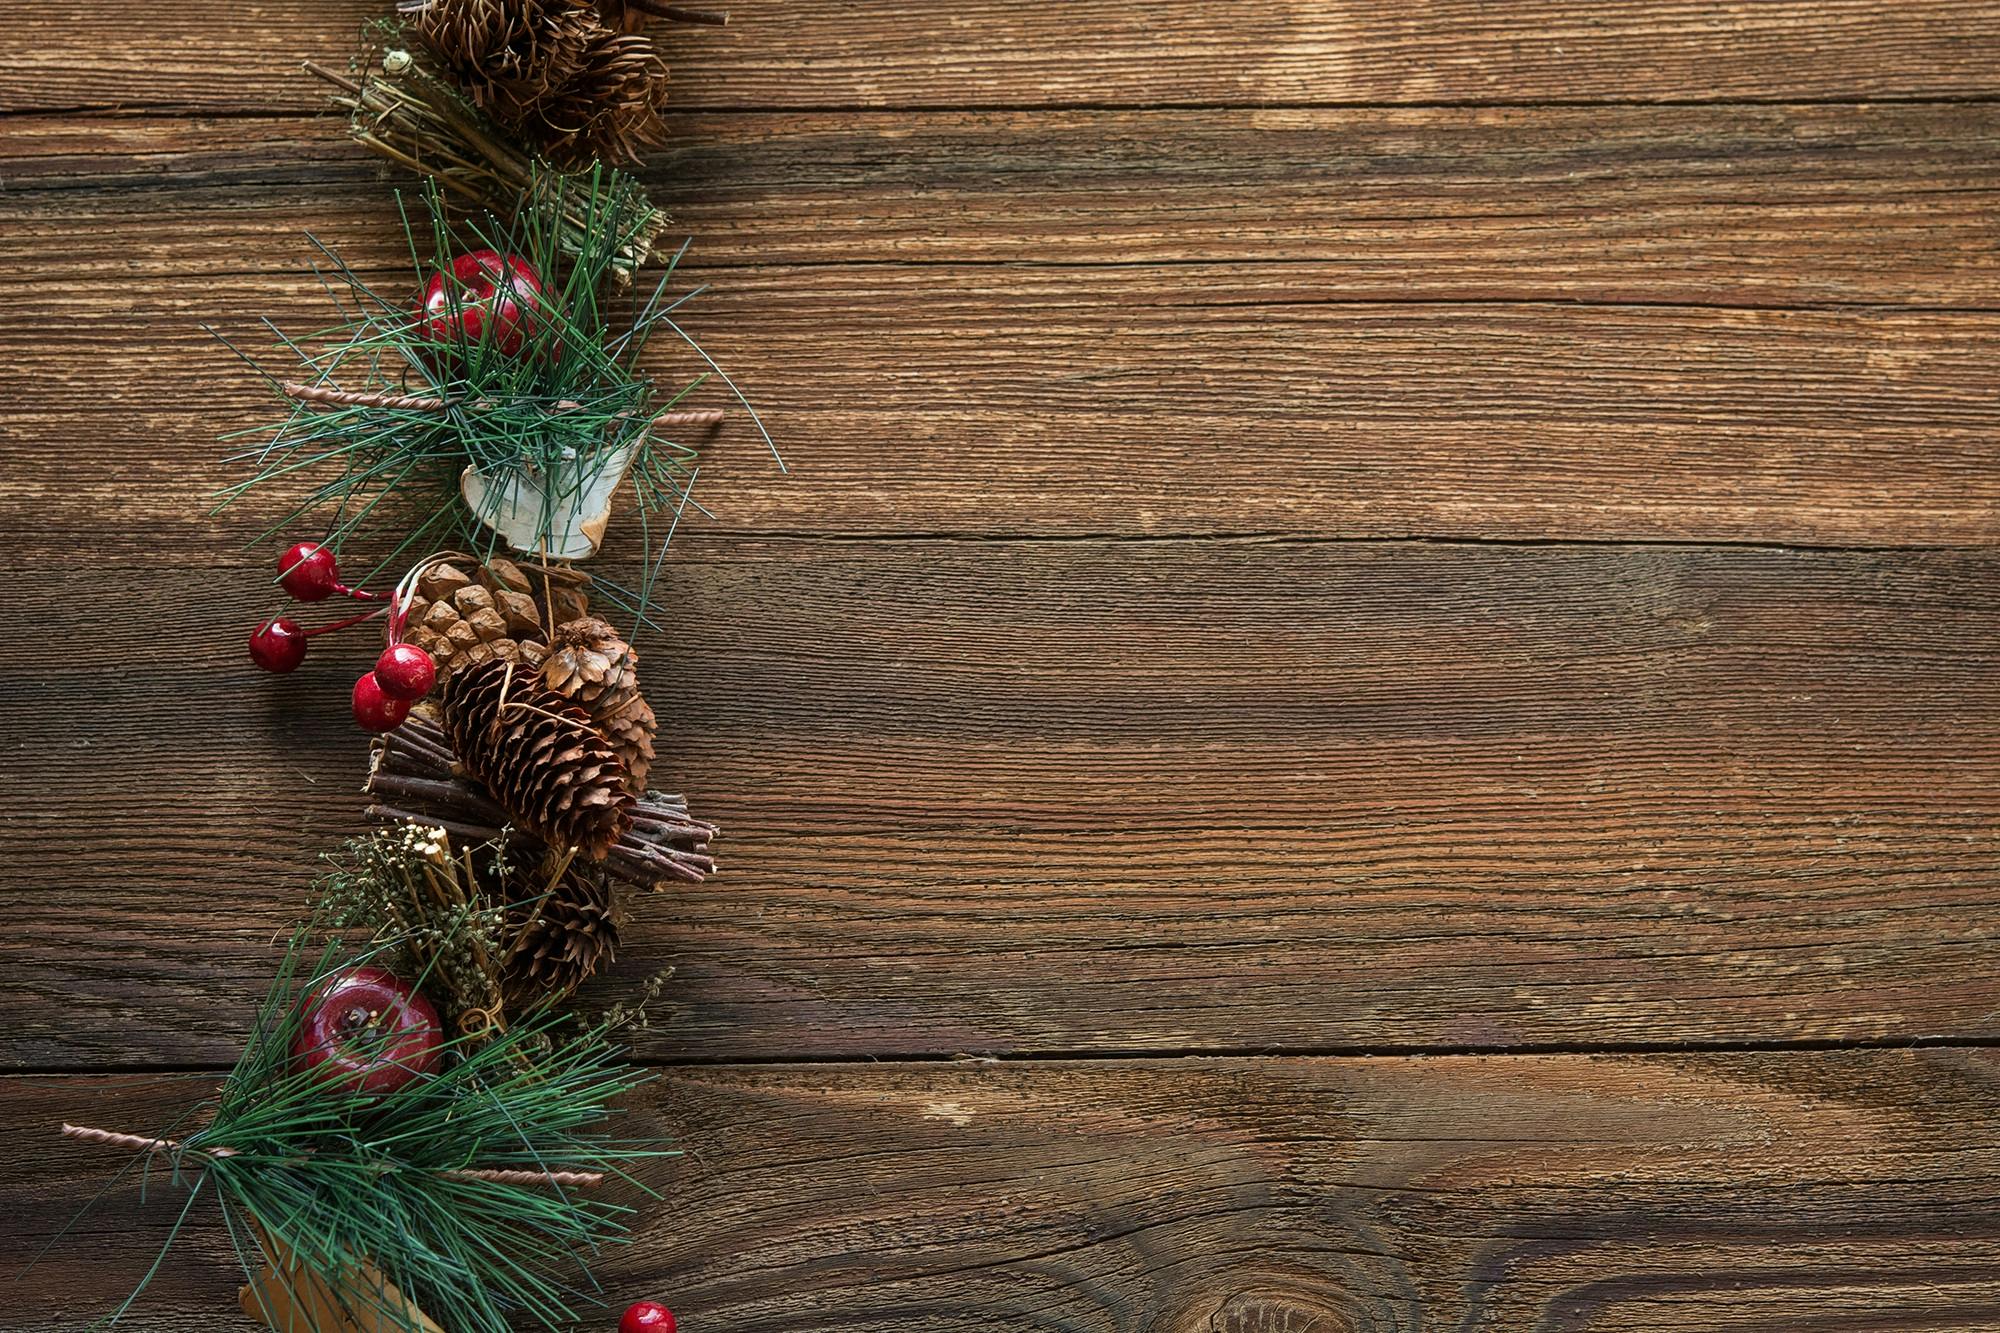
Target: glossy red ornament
point(405, 671)
point(648, 1317)
point(278, 645)
point(486, 295)
point(368, 1032)
point(309, 572)
point(376, 709)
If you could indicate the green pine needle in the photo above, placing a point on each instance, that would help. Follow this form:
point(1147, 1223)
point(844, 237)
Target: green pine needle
point(343, 1180)
point(556, 411)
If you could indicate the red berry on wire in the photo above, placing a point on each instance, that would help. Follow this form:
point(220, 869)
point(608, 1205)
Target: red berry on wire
point(648, 1317)
point(376, 710)
point(278, 645)
point(405, 671)
point(309, 573)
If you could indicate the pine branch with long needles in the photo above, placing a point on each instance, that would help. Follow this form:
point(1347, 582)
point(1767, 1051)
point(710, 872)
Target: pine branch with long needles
point(381, 404)
point(459, 1191)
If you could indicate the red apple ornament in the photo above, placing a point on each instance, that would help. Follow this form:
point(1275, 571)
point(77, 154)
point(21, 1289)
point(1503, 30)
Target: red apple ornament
point(648, 1317)
point(366, 1032)
point(485, 295)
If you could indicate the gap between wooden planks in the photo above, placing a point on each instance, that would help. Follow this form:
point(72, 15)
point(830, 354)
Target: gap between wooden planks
point(1620, 1194)
point(207, 56)
point(1110, 796)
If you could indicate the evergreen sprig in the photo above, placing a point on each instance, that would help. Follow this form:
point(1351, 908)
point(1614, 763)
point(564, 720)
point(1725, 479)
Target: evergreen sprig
point(385, 409)
point(366, 1190)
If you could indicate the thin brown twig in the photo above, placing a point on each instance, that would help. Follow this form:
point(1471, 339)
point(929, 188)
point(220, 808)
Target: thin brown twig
point(403, 402)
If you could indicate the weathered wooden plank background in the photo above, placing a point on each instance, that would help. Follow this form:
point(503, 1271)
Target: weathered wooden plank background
point(1372, 703)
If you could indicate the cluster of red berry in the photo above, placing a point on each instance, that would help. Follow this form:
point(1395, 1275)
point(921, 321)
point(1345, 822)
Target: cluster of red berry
point(486, 298)
point(403, 674)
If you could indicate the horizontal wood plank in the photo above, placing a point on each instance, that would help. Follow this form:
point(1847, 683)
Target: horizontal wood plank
point(1831, 1191)
point(1116, 796)
point(947, 393)
point(1140, 402)
point(1696, 205)
point(209, 56)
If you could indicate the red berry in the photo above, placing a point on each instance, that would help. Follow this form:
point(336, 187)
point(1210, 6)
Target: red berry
point(376, 710)
point(278, 645)
point(648, 1317)
point(405, 671)
point(486, 295)
point(309, 573)
point(367, 1032)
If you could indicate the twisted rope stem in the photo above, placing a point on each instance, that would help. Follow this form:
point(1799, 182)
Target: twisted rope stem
point(405, 402)
point(139, 1143)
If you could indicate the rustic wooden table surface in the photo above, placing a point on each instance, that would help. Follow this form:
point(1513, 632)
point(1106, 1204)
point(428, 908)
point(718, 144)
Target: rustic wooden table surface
point(1372, 703)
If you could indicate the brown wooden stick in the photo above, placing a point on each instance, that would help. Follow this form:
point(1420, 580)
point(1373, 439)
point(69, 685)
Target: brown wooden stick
point(139, 1143)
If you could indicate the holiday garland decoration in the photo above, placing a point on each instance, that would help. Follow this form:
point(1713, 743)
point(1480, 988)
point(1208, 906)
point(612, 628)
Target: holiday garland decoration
point(412, 1137)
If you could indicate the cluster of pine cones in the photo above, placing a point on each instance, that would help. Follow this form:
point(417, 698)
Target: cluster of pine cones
point(551, 726)
point(497, 614)
point(576, 79)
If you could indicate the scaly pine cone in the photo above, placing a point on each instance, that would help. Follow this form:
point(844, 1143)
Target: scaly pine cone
point(629, 729)
point(613, 107)
point(594, 668)
point(553, 71)
point(590, 665)
point(498, 612)
point(510, 56)
point(539, 756)
point(560, 940)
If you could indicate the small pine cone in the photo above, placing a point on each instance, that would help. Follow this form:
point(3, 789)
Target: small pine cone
point(590, 664)
point(613, 105)
point(560, 940)
point(510, 56)
point(539, 756)
point(630, 730)
point(496, 613)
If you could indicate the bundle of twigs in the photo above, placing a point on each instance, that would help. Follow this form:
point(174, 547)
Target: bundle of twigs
point(416, 776)
point(414, 119)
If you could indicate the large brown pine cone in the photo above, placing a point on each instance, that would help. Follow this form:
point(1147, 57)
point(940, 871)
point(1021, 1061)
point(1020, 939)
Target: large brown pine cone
point(497, 612)
point(630, 729)
point(539, 756)
point(558, 941)
point(613, 107)
point(510, 56)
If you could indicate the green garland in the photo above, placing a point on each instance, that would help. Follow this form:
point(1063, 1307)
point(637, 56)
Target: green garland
point(396, 1202)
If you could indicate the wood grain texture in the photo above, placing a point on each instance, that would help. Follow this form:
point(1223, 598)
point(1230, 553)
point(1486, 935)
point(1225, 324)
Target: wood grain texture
point(1081, 695)
point(208, 56)
point(1122, 796)
point(1816, 1193)
point(1133, 402)
point(1730, 205)
point(946, 392)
